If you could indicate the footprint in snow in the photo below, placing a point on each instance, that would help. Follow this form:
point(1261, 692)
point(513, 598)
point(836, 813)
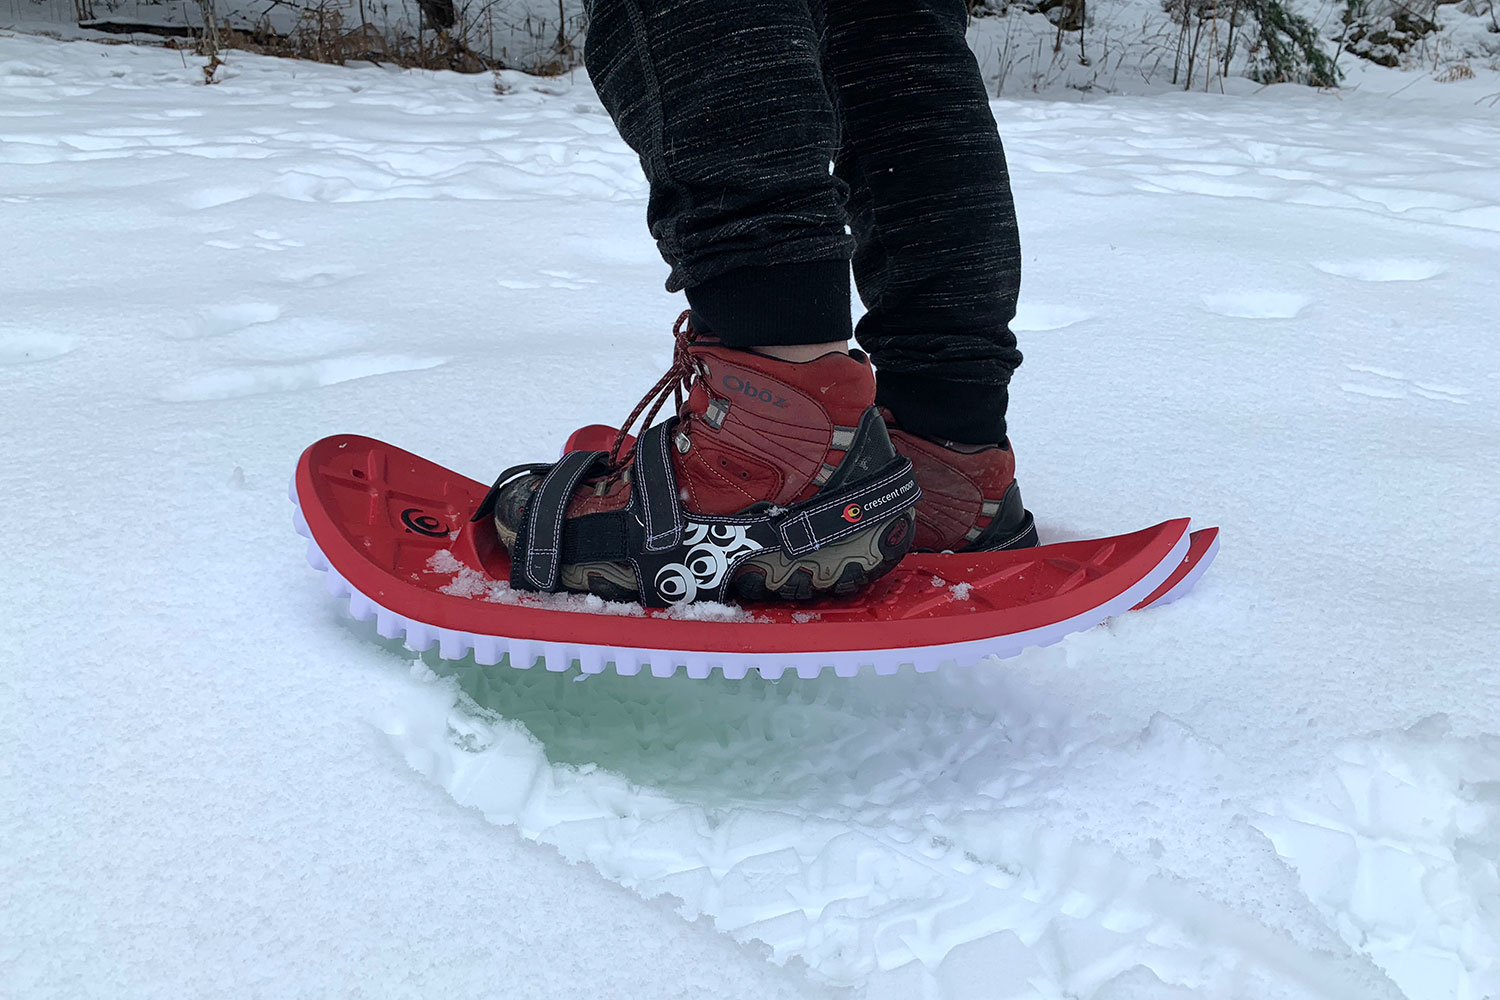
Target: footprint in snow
point(254, 380)
point(884, 839)
point(17, 347)
point(270, 239)
point(215, 195)
point(1257, 305)
point(231, 317)
point(133, 132)
point(90, 142)
point(559, 279)
point(25, 71)
point(261, 239)
point(256, 331)
point(317, 277)
point(167, 115)
point(1382, 268)
point(1384, 383)
point(302, 338)
point(567, 279)
point(1041, 317)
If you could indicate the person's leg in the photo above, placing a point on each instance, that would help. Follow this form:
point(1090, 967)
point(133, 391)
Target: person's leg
point(776, 477)
point(726, 105)
point(937, 258)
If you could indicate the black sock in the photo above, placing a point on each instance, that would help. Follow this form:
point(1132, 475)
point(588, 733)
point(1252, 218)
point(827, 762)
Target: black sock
point(778, 305)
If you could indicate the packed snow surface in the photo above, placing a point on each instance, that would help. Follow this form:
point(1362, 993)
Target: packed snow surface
point(1275, 311)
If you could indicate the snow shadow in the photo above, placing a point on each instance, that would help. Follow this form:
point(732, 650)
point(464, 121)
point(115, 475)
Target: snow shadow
point(847, 748)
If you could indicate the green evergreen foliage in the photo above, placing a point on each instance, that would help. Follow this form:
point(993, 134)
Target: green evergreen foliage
point(1288, 49)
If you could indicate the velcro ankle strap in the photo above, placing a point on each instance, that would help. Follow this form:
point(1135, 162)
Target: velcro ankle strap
point(826, 519)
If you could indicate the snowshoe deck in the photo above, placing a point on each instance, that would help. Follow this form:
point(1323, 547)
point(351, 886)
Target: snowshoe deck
point(392, 531)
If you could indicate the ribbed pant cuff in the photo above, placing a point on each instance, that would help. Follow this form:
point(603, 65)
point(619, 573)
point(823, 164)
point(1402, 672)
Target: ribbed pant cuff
point(775, 305)
point(934, 407)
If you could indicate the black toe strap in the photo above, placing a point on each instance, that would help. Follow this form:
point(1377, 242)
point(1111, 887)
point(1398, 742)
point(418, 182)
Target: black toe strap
point(536, 560)
point(492, 498)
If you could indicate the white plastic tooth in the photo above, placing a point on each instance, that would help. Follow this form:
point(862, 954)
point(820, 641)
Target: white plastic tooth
point(361, 608)
point(772, 671)
point(591, 660)
point(627, 662)
point(488, 649)
point(887, 665)
point(809, 669)
point(924, 660)
point(736, 669)
point(557, 657)
point(522, 654)
point(698, 666)
point(333, 583)
point(315, 557)
point(662, 664)
point(419, 637)
point(846, 664)
point(390, 626)
point(452, 645)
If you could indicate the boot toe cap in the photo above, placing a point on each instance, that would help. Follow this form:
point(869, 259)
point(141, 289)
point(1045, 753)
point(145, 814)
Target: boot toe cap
point(510, 507)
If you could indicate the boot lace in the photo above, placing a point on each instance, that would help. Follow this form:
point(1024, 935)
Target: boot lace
point(675, 383)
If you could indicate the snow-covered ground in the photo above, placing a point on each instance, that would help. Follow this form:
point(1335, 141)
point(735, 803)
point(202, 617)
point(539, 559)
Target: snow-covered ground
point(1275, 311)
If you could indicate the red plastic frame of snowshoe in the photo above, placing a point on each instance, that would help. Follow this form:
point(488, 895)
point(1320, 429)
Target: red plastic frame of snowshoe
point(597, 437)
point(379, 514)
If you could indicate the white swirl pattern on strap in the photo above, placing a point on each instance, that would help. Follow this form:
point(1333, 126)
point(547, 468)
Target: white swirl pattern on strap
point(712, 549)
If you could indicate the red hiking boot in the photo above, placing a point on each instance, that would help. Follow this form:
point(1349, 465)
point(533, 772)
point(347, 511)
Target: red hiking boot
point(970, 501)
point(774, 480)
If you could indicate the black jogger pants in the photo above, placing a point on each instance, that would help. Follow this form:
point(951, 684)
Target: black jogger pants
point(738, 107)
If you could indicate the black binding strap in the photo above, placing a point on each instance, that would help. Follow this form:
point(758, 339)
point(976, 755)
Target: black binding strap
point(538, 560)
point(695, 554)
point(653, 490)
point(826, 518)
point(487, 505)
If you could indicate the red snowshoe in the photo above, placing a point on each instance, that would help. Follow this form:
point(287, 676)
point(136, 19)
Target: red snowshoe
point(395, 535)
